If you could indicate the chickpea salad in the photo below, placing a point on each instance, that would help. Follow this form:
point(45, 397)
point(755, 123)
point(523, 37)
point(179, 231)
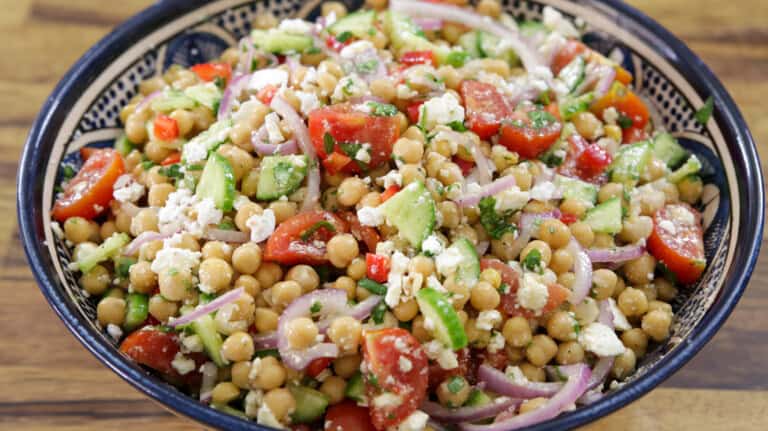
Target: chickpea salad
point(412, 216)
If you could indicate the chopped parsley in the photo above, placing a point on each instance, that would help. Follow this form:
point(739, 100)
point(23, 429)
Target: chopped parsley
point(194, 167)
point(540, 119)
point(226, 225)
point(347, 87)
point(457, 58)
point(328, 143)
point(123, 266)
point(576, 327)
point(147, 164)
point(172, 171)
point(367, 67)
point(267, 352)
point(373, 380)
point(382, 109)
point(68, 172)
point(703, 114)
point(494, 223)
point(624, 121)
point(344, 36)
point(457, 126)
point(455, 384)
point(220, 82)
point(532, 261)
point(372, 286)
point(378, 313)
point(315, 227)
point(313, 50)
point(316, 307)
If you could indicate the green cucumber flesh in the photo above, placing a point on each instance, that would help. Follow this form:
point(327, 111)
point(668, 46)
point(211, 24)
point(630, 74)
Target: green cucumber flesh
point(171, 100)
point(691, 166)
point(136, 311)
point(666, 149)
point(630, 162)
point(280, 42)
point(355, 388)
point(530, 28)
point(572, 105)
point(205, 328)
point(606, 217)
point(574, 188)
point(106, 250)
point(123, 145)
point(280, 176)
point(412, 211)
point(447, 325)
point(310, 404)
point(217, 182)
point(573, 74)
point(358, 23)
point(208, 95)
point(478, 398)
point(208, 140)
point(468, 271)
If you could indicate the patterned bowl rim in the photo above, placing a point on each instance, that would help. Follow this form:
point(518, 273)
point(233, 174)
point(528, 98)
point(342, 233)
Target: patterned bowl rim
point(39, 144)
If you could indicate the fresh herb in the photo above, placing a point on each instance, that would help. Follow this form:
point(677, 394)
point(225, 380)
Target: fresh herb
point(372, 286)
point(544, 98)
point(372, 31)
point(313, 50)
point(347, 87)
point(455, 384)
point(624, 121)
point(504, 288)
point(378, 313)
point(540, 118)
point(220, 82)
point(457, 126)
point(194, 167)
point(382, 109)
point(457, 58)
point(123, 266)
point(344, 36)
point(559, 374)
point(205, 298)
point(576, 327)
point(495, 224)
point(172, 171)
point(315, 227)
point(373, 380)
point(324, 273)
point(173, 272)
point(226, 225)
point(408, 326)
point(316, 307)
point(328, 143)
point(267, 352)
point(147, 164)
point(703, 114)
point(532, 260)
point(351, 149)
point(665, 272)
point(367, 67)
point(68, 172)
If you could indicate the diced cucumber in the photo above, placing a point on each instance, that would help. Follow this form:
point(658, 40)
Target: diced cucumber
point(355, 388)
point(123, 266)
point(412, 212)
point(555, 155)
point(630, 162)
point(439, 310)
point(206, 141)
point(280, 42)
point(530, 28)
point(573, 74)
point(480, 44)
point(123, 145)
point(573, 105)
point(205, 328)
point(358, 23)
point(574, 188)
point(171, 100)
point(229, 410)
point(310, 404)
point(280, 176)
point(208, 95)
point(691, 166)
point(468, 271)
point(406, 36)
point(217, 182)
point(106, 250)
point(478, 398)
point(666, 148)
point(606, 217)
point(136, 311)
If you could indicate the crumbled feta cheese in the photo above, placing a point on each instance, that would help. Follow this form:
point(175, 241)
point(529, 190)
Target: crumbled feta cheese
point(261, 225)
point(309, 101)
point(295, 26)
point(364, 153)
point(192, 343)
point(114, 331)
point(398, 267)
point(385, 248)
point(668, 226)
point(392, 178)
point(434, 283)
point(310, 79)
point(387, 399)
point(181, 259)
point(620, 321)
point(354, 49)
point(255, 369)
point(265, 416)
point(405, 92)
point(487, 319)
point(173, 216)
point(610, 115)
point(511, 199)
point(532, 294)
point(182, 364)
point(405, 364)
point(515, 374)
point(445, 357)
point(682, 215)
point(272, 124)
point(432, 245)
point(496, 343)
point(416, 421)
point(545, 191)
point(241, 200)
point(601, 340)
point(555, 21)
point(447, 261)
point(127, 190)
point(207, 213)
point(370, 216)
point(252, 402)
point(429, 325)
point(444, 109)
point(349, 87)
point(264, 77)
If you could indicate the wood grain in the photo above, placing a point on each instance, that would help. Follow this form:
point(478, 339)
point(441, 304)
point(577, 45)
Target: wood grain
point(50, 382)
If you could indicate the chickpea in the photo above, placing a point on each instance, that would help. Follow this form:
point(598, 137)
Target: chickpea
point(268, 274)
point(305, 275)
point(107, 229)
point(158, 194)
point(249, 284)
point(651, 201)
point(154, 176)
point(491, 276)
point(342, 249)
point(586, 312)
point(217, 249)
point(656, 324)
point(603, 282)
point(419, 331)
point(244, 213)
point(555, 233)
point(141, 277)
point(450, 214)
point(412, 173)
point(335, 7)
point(224, 393)
point(135, 129)
point(346, 332)
point(383, 88)
point(588, 125)
point(449, 173)
point(636, 228)
point(409, 150)
point(610, 191)
point(156, 151)
point(633, 302)
point(144, 221)
point(239, 159)
point(635, 339)
point(541, 350)
point(574, 207)
point(569, 352)
point(266, 319)
point(406, 311)
point(453, 391)
point(175, 284)
point(356, 270)
point(690, 189)
point(532, 372)
point(460, 293)
point(238, 347)
point(111, 311)
point(284, 292)
point(162, 309)
point(583, 234)
point(347, 366)
point(655, 169)
point(266, 373)
point(562, 326)
point(649, 290)
point(532, 404)
point(96, 280)
point(280, 401)
point(422, 265)
point(491, 8)
point(301, 333)
point(351, 190)
point(517, 331)
point(123, 222)
point(566, 279)
point(562, 261)
point(604, 240)
point(215, 274)
point(484, 297)
point(542, 247)
point(249, 185)
point(665, 289)
point(185, 120)
point(283, 210)
point(624, 364)
point(376, 4)
point(78, 229)
point(640, 271)
point(246, 258)
point(333, 387)
point(348, 285)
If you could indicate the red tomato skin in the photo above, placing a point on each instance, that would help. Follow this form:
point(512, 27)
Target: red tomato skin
point(210, 71)
point(593, 160)
point(87, 152)
point(520, 136)
point(485, 106)
point(366, 234)
point(498, 360)
point(345, 124)
point(568, 218)
point(348, 416)
point(381, 355)
point(465, 165)
point(172, 159)
point(336, 162)
point(99, 173)
point(413, 111)
point(633, 134)
point(317, 366)
point(377, 267)
point(166, 128)
point(266, 94)
point(412, 58)
point(626, 102)
point(389, 192)
point(151, 347)
point(285, 246)
point(566, 55)
point(508, 305)
point(335, 44)
point(683, 252)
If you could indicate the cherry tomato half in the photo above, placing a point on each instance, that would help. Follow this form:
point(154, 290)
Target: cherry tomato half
point(90, 191)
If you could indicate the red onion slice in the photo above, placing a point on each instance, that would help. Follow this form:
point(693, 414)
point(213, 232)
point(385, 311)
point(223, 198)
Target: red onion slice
point(528, 223)
point(224, 235)
point(146, 101)
point(202, 310)
point(484, 166)
point(233, 90)
point(582, 270)
point(265, 341)
point(578, 376)
point(209, 372)
point(428, 24)
point(615, 254)
point(497, 381)
point(607, 74)
point(301, 133)
point(491, 189)
point(142, 239)
point(529, 56)
point(468, 414)
point(287, 147)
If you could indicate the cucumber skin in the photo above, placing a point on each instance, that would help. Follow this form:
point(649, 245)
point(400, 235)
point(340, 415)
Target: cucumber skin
point(268, 189)
point(630, 162)
point(469, 269)
point(691, 166)
point(226, 201)
point(666, 148)
point(596, 217)
point(104, 251)
point(279, 42)
point(403, 211)
point(137, 310)
point(435, 305)
point(355, 388)
point(576, 189)
point(205, 327)
point(354, 23)
point(310, 404)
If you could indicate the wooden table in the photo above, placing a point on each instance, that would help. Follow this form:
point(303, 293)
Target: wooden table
point(49, 381)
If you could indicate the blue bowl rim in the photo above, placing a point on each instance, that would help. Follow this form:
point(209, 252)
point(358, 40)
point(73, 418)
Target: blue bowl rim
point(40, 141)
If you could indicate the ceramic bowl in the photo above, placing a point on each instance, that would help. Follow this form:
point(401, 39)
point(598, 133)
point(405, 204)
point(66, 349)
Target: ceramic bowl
point(84, 111)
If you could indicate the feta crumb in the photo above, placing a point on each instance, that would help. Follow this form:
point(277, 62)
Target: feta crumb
point(261, 225)
point(515, 374)
point(192, 343)
point(127, 190)
point(309, 101)
point(207, 213)
point(682, 215)
point(487, 319)
point(432, 245)
point(114, 331)
point(354, 49)
point(544, 191)
point(385, 248)
point(252, 401)
point(387, 399)
point(182, 364)
point(444, 109)
point(392, 178)
point(416, 421)
point(264, 77)
point(434, 283)
point(620, 321)
point(496, 343)
point(295, 26)
point(447, 261)
point(272, 124)
point(405, 92)
point(364, 153)
point(265, 416)
point(532, 295)
point(181, 259)
point(511, 199)
point(610, 115)
point(445, 357)
point(349, 87)
point(668, 226)
point(601, 340)
point(555, 21)
point(405, 364)
point(398, 267)
point(370, 216)
point(173, 216)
